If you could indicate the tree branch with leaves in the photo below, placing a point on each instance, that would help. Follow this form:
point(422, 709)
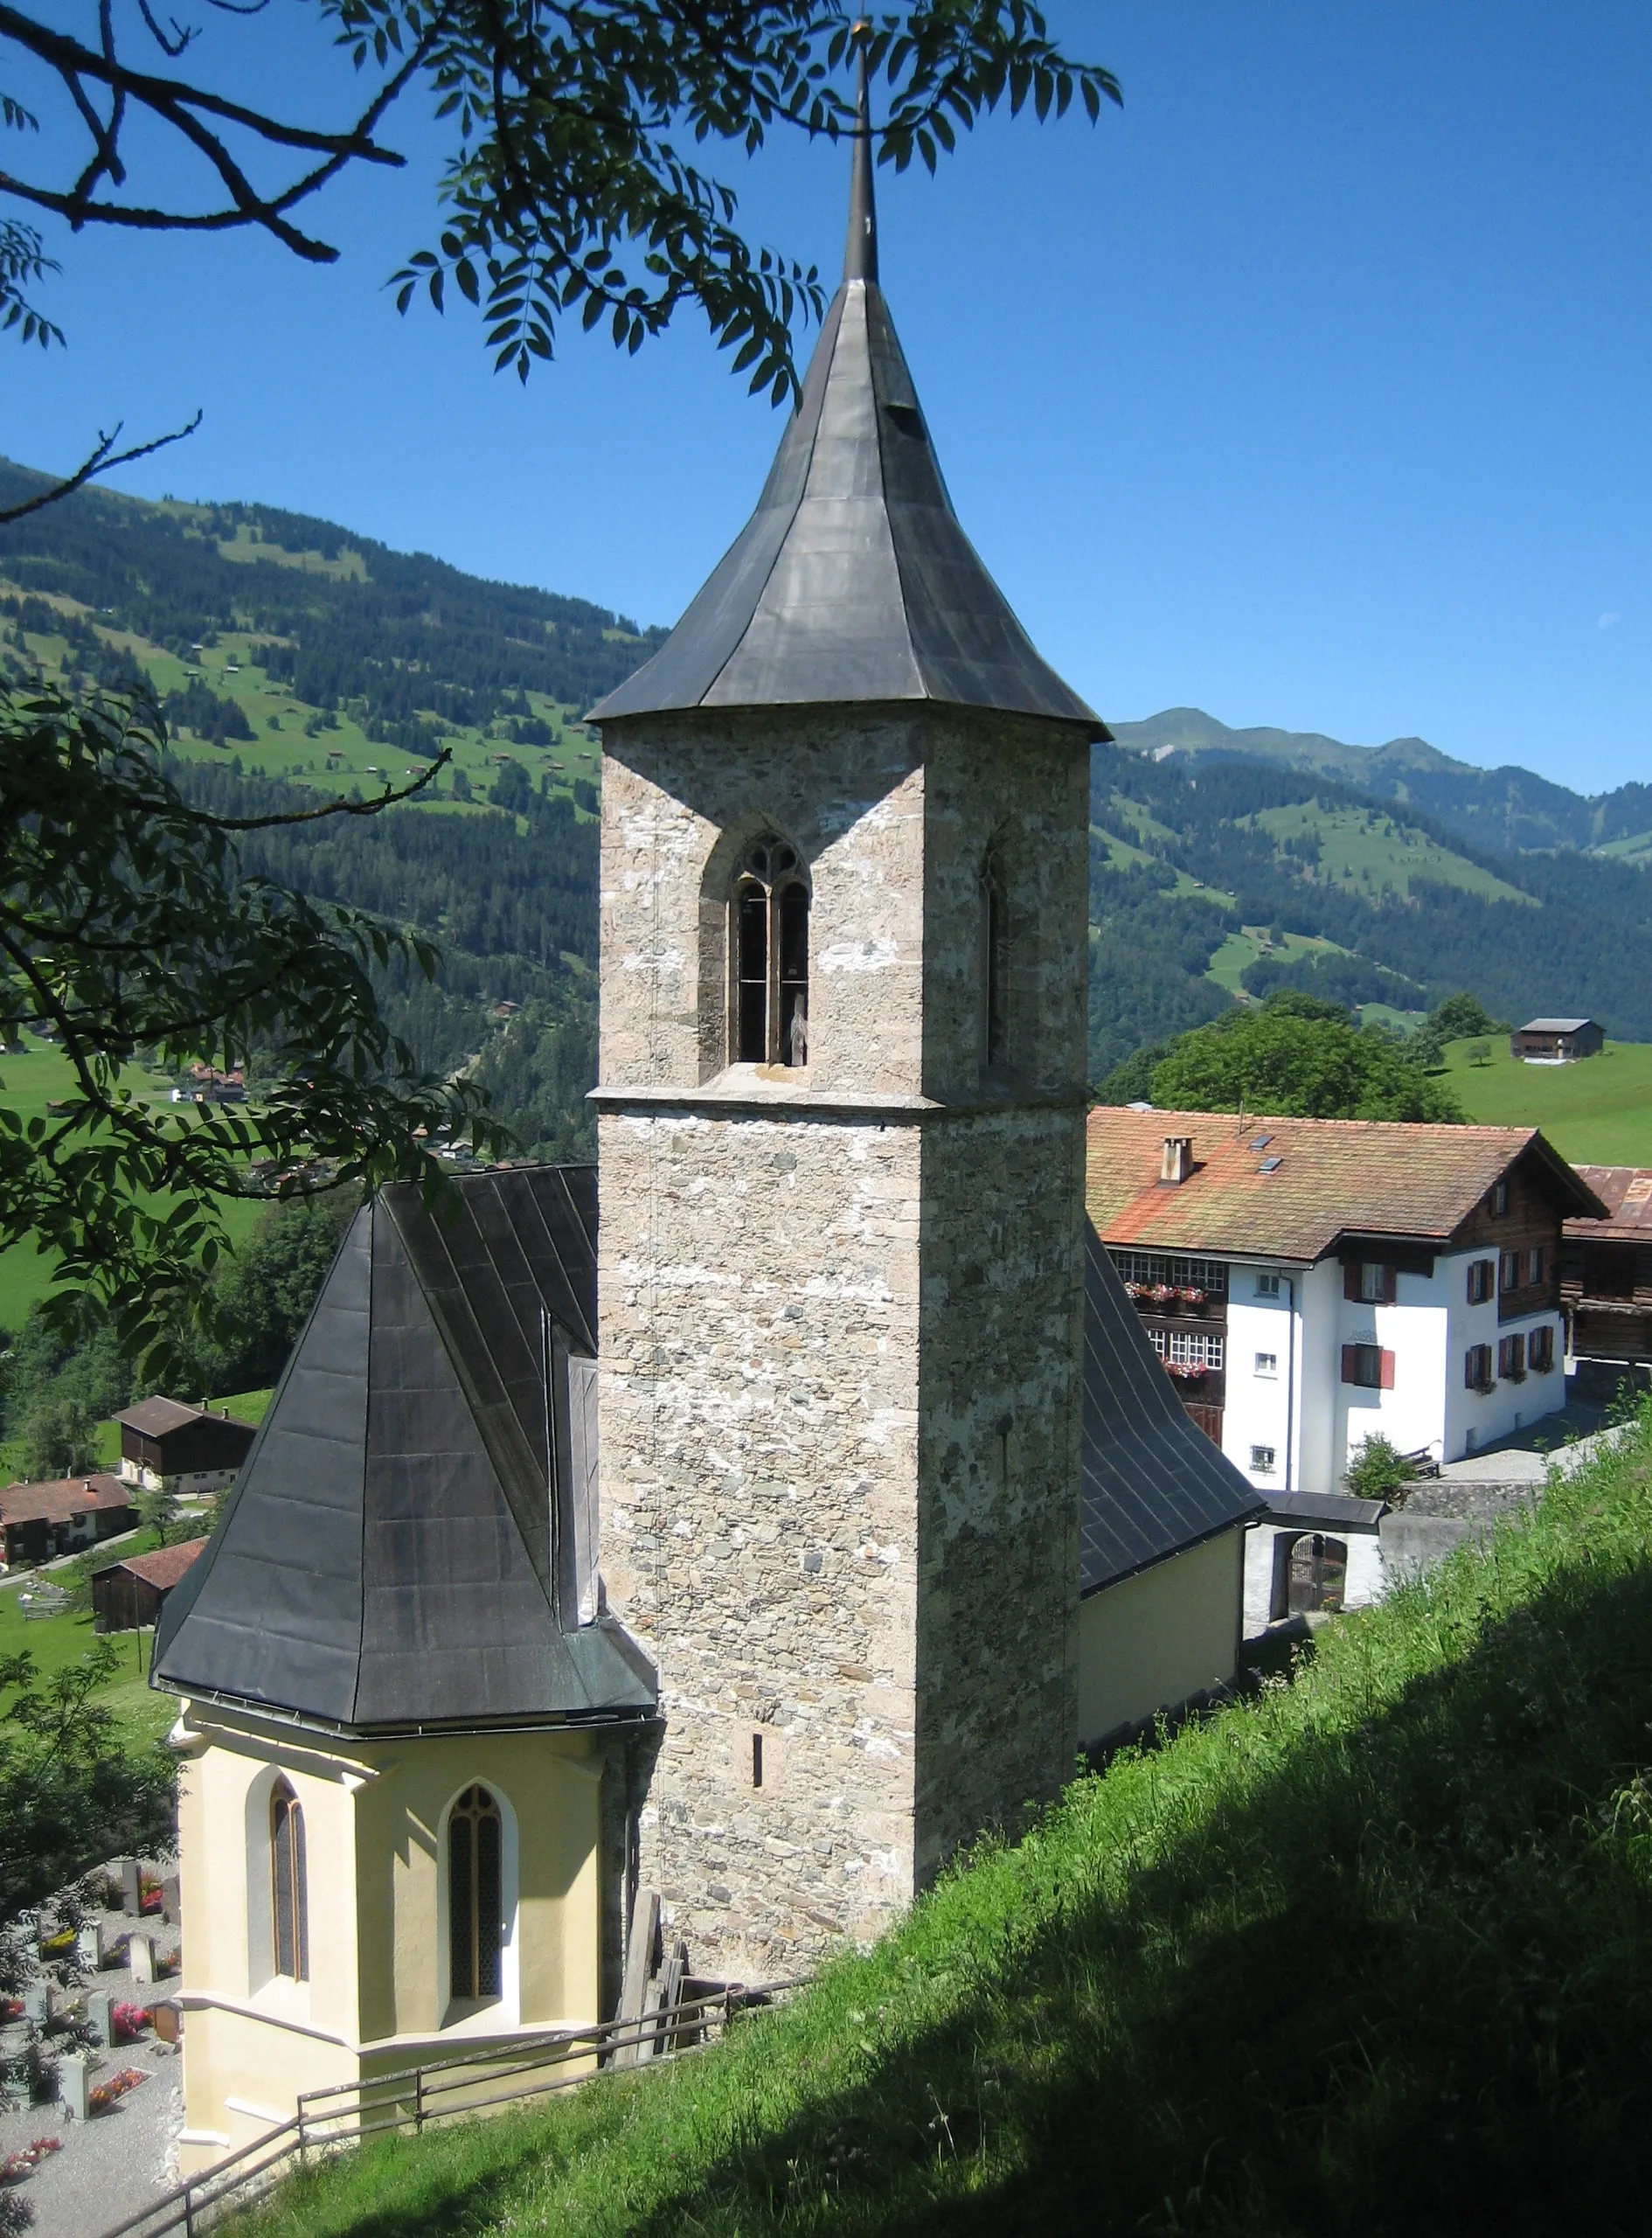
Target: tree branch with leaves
point(128, 934)
point(573, 177)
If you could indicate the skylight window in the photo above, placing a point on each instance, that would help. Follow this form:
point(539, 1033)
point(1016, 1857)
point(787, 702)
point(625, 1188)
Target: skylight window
point(1261, 1142)
point(1270, 1165)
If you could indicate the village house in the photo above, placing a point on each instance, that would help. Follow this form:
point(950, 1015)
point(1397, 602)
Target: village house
point(191, 1451)
point(128, 1595)
point(1606, 1269)
point(1556, 1040)
point(1311, 1283)
point(42, 1521)
point(734, 1561)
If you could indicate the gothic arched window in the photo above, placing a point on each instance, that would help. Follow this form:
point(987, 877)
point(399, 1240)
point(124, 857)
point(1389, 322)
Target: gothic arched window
point(770, 944)
point(994, 961)
point(475, 1895)
point(290, 1894)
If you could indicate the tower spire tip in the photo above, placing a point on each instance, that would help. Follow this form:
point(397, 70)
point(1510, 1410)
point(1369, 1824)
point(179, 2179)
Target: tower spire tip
point(860, 254)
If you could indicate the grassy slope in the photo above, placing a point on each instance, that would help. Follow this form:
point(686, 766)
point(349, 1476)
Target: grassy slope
point(1372, 854)
point(336, 758)
point(55, 1641)
point(28, 1082)
point(1597, 1113)
point(1368, 1955)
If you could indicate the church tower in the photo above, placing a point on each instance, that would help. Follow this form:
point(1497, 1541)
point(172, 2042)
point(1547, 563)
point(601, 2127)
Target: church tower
point(841, 1095)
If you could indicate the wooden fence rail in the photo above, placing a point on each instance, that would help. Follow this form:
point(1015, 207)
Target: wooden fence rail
point(414, 2098)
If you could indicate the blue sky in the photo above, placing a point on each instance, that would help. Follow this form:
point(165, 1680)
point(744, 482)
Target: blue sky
point(1313, 389)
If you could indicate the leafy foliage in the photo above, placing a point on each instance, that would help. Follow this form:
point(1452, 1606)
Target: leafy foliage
point(1377, 1470)
point(1267, 1060)
point(128, 927)
point(569, 196)
point(568, 179)
point(72, 1789)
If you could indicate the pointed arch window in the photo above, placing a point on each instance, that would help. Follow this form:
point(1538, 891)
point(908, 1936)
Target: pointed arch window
point(475, 1895)
point(995, 960)
point(289, 1891)
point(770, 945)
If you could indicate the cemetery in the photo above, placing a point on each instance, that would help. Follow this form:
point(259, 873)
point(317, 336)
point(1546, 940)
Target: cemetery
point(90, 2037)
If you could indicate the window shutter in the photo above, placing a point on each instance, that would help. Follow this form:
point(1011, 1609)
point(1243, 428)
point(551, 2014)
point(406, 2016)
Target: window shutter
point(1391, 1288)
point(1350, 1283)
point(1387, 1381)
point(1351, 1359)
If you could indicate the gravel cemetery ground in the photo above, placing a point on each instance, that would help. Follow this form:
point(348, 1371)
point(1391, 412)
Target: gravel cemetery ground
point(123, 2157)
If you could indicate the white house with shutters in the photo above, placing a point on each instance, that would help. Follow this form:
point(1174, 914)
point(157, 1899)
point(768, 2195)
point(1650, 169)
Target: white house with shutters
point(1311, 1283)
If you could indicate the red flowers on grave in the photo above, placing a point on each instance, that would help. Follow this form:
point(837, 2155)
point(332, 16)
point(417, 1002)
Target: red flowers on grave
point(104, 2096)
point(129, 2022)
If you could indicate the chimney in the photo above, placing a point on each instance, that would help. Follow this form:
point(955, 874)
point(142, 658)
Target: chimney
point(1176, 1164)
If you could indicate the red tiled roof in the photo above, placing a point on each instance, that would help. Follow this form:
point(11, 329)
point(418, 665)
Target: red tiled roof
point(1326, 1179)
point(1626, 1190)
point(62, 1498)
point(164, 1567)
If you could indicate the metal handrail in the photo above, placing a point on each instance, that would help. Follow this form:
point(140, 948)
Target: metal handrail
point(315, 2125)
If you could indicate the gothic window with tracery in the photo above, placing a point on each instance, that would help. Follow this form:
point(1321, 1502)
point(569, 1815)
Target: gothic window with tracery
point(474, 1894)
point(288, 1891)
point(770, 911)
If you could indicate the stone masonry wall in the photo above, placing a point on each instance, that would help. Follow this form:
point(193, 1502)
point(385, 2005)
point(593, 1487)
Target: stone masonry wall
point(1001, 1352)
point(839, 1313)
point(760, 1387)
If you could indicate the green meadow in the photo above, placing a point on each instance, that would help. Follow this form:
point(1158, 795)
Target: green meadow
point(31, 1081)
point(1595, 1113)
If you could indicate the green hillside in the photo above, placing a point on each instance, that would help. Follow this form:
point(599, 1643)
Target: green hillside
point(1596, 1112)
point(1362, 1956)
point(293, 657)
point(1509, 810)
point(1364, 902)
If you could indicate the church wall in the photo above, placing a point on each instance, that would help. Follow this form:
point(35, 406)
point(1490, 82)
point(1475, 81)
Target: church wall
point(550, 1782)
point(806, 1305)
point(372, 1817)
point(1154, 1640)
point(1002, 1336)
point(757, 1303)
point(679, 806)
point(1020, 790)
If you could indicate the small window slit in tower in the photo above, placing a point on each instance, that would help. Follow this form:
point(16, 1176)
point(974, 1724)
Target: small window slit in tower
point(757, 1760)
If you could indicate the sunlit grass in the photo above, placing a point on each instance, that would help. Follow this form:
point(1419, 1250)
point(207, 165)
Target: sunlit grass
point(1368, 1954)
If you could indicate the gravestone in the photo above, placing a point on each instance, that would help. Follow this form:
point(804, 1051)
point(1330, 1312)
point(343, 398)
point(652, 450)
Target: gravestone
point(172, 1904)
point(89, 1945)
point(131, 1888)
point(37, 2003)
point(74, 2084)
point(99, 2011)
point(140, 1956)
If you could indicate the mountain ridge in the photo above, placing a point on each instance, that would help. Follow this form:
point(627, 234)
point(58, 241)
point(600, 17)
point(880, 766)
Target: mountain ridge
point(1509, 809)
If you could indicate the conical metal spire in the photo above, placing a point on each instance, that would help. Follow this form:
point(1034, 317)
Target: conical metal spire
point(852, 582)
point(860, 254)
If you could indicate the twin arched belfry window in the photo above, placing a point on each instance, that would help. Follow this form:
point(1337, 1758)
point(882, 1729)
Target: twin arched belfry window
point(770, 942)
